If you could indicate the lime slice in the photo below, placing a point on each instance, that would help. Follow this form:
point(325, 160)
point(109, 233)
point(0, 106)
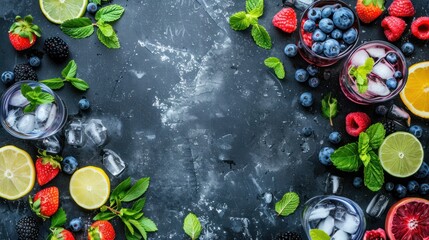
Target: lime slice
point(401, 154)
point(17, 174)
point(90, 187)
point(58, 11)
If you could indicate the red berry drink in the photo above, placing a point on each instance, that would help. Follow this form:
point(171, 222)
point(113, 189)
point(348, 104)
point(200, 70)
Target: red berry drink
point(375, 72)
point(329, 31)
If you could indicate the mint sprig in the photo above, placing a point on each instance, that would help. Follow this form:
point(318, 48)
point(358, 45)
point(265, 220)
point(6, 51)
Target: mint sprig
point(277, 65)
point(35, 97)
point(329, 107)
point(68, 75)
point(317, 234)
point(83, 27)
point(57, 222)
point(287, 205)
point(192, 226)
point(360, 74)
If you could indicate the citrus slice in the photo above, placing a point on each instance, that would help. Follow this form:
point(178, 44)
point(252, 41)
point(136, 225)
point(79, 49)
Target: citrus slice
point(17, 174)
point(58, 11)
point(90, 187)
point(401, 154)
point(415, 94)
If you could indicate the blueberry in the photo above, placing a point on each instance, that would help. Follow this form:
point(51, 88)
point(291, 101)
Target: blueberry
point(34, 61)
point(314, 14)
point(307, 131)
point(424, 189)
point(325, 156)
point(69, 164)
point(416, 130)
point(413, 186)
point(291, 50)
point(350, 36)
point(309, 25)
point(326, 75)
point(397, 75)
point(327, 12)
point(312, 70)
point(423, 171)
point(392, 58)
point(7, 77)
point(337, 34)
point(318, 36)
point(389, 186)
point(400, 191)
point(343, 47)
point(83, 104)
point(407, 48)
point(317, 48)
point(335, 137)
point(306, 99)
point(392, 83)
point(343, 18)
point(381, 110)
point(331, 48)
point(313, 82)
point(357, 182)
point(76, 224)
point(91, 8)
point(301, 75)
point(326, 25)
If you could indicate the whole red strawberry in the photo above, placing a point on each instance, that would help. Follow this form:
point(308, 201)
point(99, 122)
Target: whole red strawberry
point(101, 230)
point(393, 27)
point(61, 234)
point(402, 8)
point(45, 203)
point(47, 167)
point(23, 33)
point(285, 20)
point(420, 28)
point(357, 122)
point(369, 10)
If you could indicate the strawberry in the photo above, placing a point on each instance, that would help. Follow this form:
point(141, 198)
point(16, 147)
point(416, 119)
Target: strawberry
point(101, 230)
point(23, 33)
point(357, 122)
point(45, 203)
point(285, 20)
point(393, 27)
point(61, 234)
point(369, 10)
point(47, 167)
point(420, 28)
point(401, 8)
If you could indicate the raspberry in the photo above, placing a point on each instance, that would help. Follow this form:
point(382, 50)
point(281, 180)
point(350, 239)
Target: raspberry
point(420, 28)
point(393, 27)
point(401, 8)
point(306, 36)
point(285, 20)
point(357, 122)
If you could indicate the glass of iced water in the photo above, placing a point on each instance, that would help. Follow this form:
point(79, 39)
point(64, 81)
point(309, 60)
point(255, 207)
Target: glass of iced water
point(339, 217)
point(44, 121)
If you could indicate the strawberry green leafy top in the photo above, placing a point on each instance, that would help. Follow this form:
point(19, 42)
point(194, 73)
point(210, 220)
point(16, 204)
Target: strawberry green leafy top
point(24, 27)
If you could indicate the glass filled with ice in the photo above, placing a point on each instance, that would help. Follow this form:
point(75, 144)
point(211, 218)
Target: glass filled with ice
point(339, 217)
point(46, 120)
point(375, 72)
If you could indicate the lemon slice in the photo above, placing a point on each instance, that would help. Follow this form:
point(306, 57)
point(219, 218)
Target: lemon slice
point(58, 11)
point(401, 154)
point(90, 187)
point(17, 174)
point(415, 94)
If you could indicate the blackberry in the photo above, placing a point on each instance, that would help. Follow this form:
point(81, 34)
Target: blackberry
point(389, 126)
point(27, 228)
point(24, 71)
point(56, 49)
point(288, 236)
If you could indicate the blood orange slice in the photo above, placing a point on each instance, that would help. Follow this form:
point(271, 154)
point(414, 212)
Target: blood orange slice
point(408, 219)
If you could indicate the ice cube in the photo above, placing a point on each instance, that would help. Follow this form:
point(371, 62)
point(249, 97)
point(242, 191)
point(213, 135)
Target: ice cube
point(51, 116)
point(377, 205)
point(18, 100)
point(376, 52)
point(268, 197)
point(320, 211)
point(359, 58)
point(26, 123)
point(349, 225)
point(74, 133)
point(377, 88)
point(112, 162)
point(96, 131)
point(341, 235)
point(12, 116)
point(334, 184)
point(383, 70)
point(42, 112)
point(50, 144)
point(397, 113)
point(299, 4)
point(340, 213)
point(327, 225)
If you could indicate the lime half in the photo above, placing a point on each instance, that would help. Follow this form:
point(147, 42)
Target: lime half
point(401, 154)
point(58, 11)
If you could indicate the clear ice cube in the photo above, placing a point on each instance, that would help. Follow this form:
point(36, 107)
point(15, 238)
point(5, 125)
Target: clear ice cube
point(333, 184)
point(327, 225)
point(341, 235)
point(320, 212)
point(359, 58)
point(349, 225)
point(383, 70)
point(51, 116)
point(42, 112)
point(18, 100)
point(50, 144)
point(340, 213)
point(377, 205)
point(299, 4)
point(376, 52)
point(74, 133)
point(96, 131)
point(26, 123)
point(377, 88)
point(112, 162)
point(12, 116)
point(398, 113)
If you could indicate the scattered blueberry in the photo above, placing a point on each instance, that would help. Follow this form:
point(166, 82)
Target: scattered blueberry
point(392, 58)
point(397, 75)
point(325, 156)
point(34, 61)
point(83, 104)
point(327, 12)
point(318, 36)
point(306, 99)
point(314, 14)
point(69, 164)
point(381, 110)
point(307, 131)
point(7, 77)
point(357, 182)
point(317, 47)
point(309, 25)
point(91, 8)
point(343, 47)
point(301, 75)
point(76, 224)
point(413, 186)
point(337, 34)
point(312, 70)
point(335, 137)
point(407, 48)
point(423, 171)
point(400, 191)
point(424, 189)
point(416, 130)
point(331, 48)
point(291, 50)
point(350, 36)
point(392, 83)
point(313, 82)
point(326, 25)
point(389, 186)
point(343, 18)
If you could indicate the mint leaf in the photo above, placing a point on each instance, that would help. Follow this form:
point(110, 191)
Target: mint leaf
point(79, 83)
point(98, 2)
point(139, 227)
point(70, 70)
point(261, 36)
point(373, 173)
point(148, 224)
point(138, 189)
point(25, 89)
point(59, 218)
point(78, 27)
point(30, 107)
point(109, 13)
point(139, 204)
point(106, 29)
point(239, 21)
point(104, 216)
point(363, 148)
point(255, 7)
point(317, 234)
point(44, 97)
point(53, 83)
point(110, 42)
point(288, 204)
point(192, 226)
point(277, 65)
point(376, 133)
point(35, 97)
point(360, 73)
point(120, 190)
point(329, 107)
point(346, 158)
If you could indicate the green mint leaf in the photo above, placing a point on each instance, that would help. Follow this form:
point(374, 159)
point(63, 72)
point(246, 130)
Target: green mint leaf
point(138, 189)
point(239, 21)
point(79, 83)
point(53, 83)
point(106, 29)
point(255, 7)
point(104, 216)
point(346, 158)
point(128, 225)
point(261, 36)
point(329, 107)
point(277, 65)
point(360, 73)
point(139, 204)
point(109, 13)
point(130, 236)
point(70, 70)
point(192, 226)
point(148, 224)
point(111, 41)
point(78, 27)
point(45, 98)
point(317, 234)
point(30, 107)
point(98, 2)
point(139, 227)
point(376, 133)
point(373, 173)
point(25, 89)
point(364, 148)
point(59, 218)
point(288, 204)
point(120, 190)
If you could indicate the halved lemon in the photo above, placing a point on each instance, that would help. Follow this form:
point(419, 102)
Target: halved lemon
point(415, 94)
point(90, 187)
point(17, 174)
point(58, 11)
